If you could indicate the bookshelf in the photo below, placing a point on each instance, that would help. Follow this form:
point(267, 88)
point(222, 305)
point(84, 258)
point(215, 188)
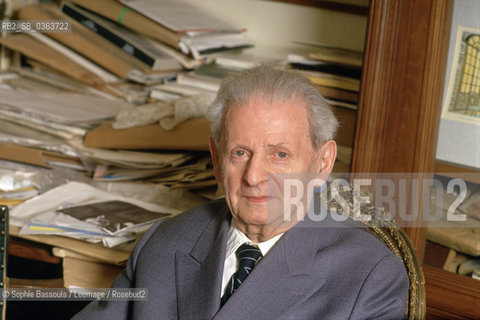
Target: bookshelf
point(401, 96)
point(399, 109)
point(398, 121)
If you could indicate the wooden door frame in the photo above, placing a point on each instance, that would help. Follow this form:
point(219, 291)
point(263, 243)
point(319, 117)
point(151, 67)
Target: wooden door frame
point(398, 119)
point(401, 90)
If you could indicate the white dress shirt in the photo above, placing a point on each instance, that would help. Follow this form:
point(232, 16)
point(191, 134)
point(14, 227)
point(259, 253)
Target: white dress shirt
point(235, 239)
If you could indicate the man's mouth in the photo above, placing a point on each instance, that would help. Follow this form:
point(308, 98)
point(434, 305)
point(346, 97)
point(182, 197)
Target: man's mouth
point(257, 199)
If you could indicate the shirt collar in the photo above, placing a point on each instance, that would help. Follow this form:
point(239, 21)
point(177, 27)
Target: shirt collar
point(236, 238)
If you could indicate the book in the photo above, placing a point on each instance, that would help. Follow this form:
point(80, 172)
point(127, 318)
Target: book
point(329, 68)
point(338, 55)
point(196, 44)
point(152, 136)
point(301, 62)
point(113, 216)
point(77, 58)
point(63, 107)
point(115, 11)
point(38, 51)
point(339, 94)
point(180, 16)
point(116, 256)
point(133, 44)
point(163, 95)
point(245, 60)
point(205, 83)
point(342, 104)
point(214, 70)
point(85, 42)
point(182, 90)
point(330, 80)
point(346, 131)
point(211, 43)
point(38, 157)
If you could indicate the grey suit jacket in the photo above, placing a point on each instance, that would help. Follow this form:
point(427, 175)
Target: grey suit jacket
point(312, 272)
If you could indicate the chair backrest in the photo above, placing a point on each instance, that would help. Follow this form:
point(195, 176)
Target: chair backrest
point(386, 229)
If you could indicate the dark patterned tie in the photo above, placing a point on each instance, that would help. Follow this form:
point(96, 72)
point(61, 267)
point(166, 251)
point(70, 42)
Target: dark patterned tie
point(248, 256)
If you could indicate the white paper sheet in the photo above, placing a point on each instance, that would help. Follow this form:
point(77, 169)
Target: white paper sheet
point(179, 16)
point(63, 107)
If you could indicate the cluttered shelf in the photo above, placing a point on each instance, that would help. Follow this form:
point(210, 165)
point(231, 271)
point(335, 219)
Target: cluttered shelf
point(451, 170)
point(451, 261)
point(111, 114)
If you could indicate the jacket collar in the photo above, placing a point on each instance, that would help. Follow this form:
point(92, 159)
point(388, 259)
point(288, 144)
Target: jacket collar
point(199, 272)
point(269, 291)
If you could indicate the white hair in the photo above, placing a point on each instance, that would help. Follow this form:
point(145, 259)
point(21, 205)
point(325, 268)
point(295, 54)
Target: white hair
point(273, 85)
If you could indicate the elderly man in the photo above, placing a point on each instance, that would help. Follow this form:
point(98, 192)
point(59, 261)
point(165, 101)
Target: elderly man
point(245, 257)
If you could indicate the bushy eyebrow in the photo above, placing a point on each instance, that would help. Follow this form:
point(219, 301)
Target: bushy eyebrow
point(278, 145)
point(281, 144)
point(269, 146)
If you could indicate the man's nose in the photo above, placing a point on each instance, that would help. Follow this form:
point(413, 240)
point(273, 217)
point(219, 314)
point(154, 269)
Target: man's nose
point(256, 171)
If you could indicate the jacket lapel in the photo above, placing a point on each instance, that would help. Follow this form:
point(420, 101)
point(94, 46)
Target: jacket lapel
point(281, 279)
point(199, 272)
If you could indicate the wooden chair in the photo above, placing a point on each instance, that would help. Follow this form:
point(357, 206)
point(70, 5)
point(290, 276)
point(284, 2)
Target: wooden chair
point(387, 230)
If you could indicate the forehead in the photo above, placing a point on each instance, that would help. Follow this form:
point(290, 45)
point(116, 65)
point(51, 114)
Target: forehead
point(259, 120)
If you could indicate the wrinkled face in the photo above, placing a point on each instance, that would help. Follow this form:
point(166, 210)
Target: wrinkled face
point(261, 139)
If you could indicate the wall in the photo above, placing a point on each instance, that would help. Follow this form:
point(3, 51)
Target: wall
point(272, 26)
point(459, 141)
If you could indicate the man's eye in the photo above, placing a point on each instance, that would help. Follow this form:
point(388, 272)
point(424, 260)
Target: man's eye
point(281, 155)
point(239, 153)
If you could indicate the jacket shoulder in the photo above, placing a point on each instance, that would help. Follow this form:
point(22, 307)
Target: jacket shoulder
point(184, 228)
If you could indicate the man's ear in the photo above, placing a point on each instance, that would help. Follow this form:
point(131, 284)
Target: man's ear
point(328, 154)
point(215, 159)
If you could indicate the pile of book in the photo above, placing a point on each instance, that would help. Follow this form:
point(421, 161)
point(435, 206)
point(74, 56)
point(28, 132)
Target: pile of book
point(337, 74)
point(110, 41)
point(110, 115)
point(335, 71)
point(73, 107)
point(119, 100)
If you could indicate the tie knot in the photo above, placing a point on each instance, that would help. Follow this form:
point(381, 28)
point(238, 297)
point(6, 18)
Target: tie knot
point(247, 251)
point(248, 256)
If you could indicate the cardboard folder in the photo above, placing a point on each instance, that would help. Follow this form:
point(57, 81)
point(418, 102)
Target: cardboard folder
point(85, 42)
point(121, 14)
point(49, 57)
point(189, 135)
point(88, 274)
point(37, 157)
point(95, 251)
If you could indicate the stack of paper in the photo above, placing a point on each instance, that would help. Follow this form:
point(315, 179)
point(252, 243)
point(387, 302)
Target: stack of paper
point(133, 44)
point(75, 107)
point(202, 33)
point(194, 174)
point(245, 60)
point(173, 23)
point(66, 115)
point(336, 71)
point(81, 211)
